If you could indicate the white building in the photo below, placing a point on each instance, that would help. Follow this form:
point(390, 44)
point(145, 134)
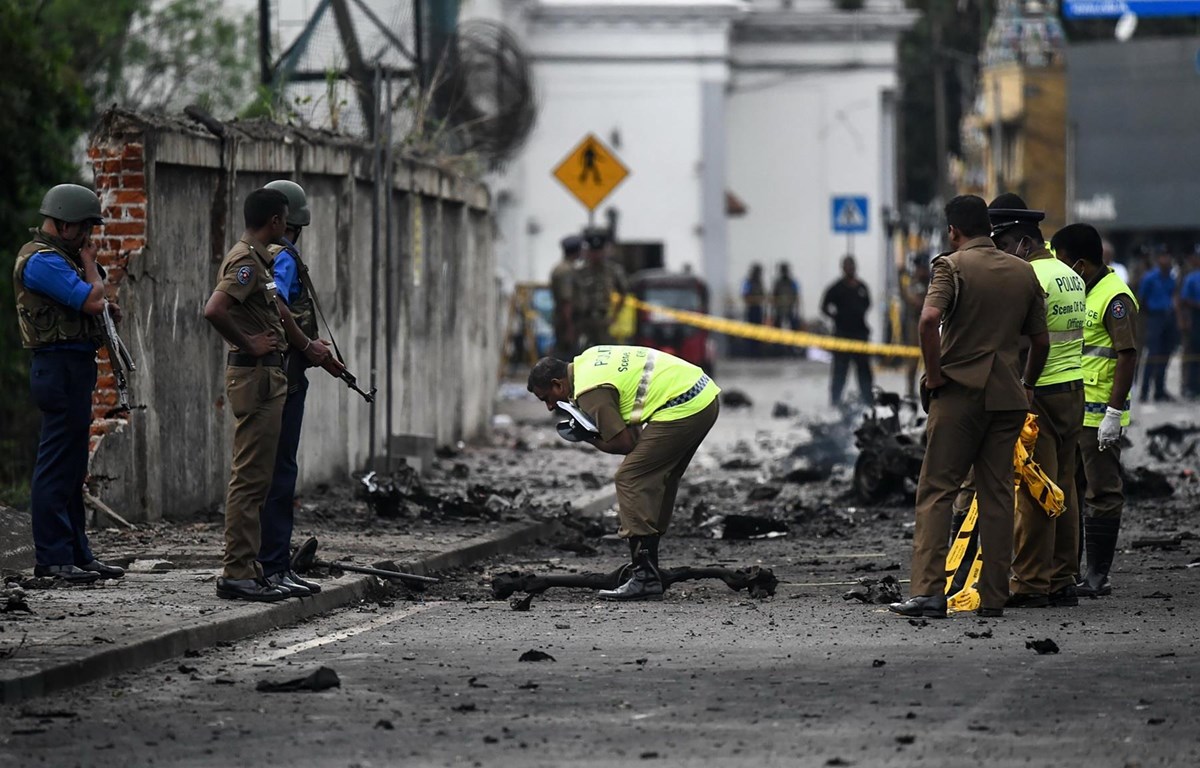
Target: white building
point(784, 104)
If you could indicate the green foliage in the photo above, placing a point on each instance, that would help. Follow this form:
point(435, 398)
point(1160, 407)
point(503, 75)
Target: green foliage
point(46, 110)
point(186, 52)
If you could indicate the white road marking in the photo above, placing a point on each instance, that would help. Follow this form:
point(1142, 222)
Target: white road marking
point(344, 634)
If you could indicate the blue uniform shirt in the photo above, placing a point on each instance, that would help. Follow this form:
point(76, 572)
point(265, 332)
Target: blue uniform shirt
point(49, 274)
point(1157, 291)
point(287, 276)
point(1191, 286)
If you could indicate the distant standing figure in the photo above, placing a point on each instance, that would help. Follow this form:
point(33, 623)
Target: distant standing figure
point(754, 299)
point(596, 280)
point(562, 289)
point(785, 296)
point(913, 291)
point(1189, 300)
point(846, 302)
point(1156, 293)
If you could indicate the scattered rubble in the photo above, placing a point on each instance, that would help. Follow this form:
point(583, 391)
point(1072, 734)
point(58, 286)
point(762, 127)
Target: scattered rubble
point(1145, 483)
point(758, 581)
point(784, 411)
point(735, 398)
point(1042, 647)
point(875, 591)
point(323, 678)
point(744, 527)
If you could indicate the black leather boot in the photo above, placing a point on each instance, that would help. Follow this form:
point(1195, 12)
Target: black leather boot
point(645, 583)
point(1100, 541)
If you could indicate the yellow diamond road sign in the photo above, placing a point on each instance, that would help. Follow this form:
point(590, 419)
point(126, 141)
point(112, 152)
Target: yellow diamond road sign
point(591, 172)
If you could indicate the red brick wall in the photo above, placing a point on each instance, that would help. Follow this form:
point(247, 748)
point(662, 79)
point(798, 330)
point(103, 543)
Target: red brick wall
point(119, 166)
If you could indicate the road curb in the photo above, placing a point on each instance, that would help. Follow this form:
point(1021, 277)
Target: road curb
point(196, 634)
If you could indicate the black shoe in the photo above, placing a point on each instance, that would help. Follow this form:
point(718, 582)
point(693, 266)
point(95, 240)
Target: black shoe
point(1100, 587)
point(308, 584)
point(989, 613)
point(921, 606)
point(1027, 600)
point(1066, 597)
point(253, 590)
point(68, 573)
point(105, 570)
point(281, 581)
point(645, 583)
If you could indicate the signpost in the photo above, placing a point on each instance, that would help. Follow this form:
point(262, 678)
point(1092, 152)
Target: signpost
point(591, 172)
point(849, 215)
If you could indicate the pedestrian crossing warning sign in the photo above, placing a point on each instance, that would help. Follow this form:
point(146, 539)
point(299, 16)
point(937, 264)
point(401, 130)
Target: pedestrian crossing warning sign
point(849, 214)
point(591, 172)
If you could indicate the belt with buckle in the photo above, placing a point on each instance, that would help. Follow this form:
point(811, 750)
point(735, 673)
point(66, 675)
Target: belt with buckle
point(247, 360)
point(1054, 389)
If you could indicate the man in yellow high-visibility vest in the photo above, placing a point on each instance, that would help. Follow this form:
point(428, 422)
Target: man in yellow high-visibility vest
point(1110, 356)
point(651, 407)
point(1045, 562)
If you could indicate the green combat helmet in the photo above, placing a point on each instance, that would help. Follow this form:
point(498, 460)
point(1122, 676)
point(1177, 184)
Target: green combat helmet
point(298, 215)
point(72, 203)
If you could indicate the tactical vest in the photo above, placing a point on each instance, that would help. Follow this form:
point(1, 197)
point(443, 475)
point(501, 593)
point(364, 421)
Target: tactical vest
point(1099, 355)
point(303, 309)
point(43, 321)
point(652, 385)
point(1066, 302)
point(594, 287)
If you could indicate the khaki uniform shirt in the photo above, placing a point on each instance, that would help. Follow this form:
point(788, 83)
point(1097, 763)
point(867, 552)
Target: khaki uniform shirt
point(988, 300)
point(247, 277)
point(562, 286)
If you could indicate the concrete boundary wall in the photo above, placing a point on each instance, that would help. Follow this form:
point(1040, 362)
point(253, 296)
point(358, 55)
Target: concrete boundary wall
point(172, 195)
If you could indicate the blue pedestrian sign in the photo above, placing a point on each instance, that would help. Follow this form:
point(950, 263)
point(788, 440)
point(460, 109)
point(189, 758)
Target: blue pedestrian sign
point(849, 214)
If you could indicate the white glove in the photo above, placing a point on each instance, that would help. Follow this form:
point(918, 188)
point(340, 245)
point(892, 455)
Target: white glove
point(1109, 433)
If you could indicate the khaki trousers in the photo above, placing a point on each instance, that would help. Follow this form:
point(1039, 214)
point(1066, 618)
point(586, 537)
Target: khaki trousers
point(962, 435)
point(255, 397)
point(648, 479)
point(1105, 494)
point(1046, 549)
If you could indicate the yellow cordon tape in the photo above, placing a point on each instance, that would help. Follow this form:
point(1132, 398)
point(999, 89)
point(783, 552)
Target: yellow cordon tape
point(961, 591)
point(775, 335)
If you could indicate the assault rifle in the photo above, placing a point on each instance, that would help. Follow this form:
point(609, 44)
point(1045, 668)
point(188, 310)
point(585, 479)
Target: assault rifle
point(120, 360)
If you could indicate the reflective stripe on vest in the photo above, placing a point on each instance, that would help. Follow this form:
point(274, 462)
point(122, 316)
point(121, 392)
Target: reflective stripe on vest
point(648, 382)
point(1066, 311)
point(1099, 355)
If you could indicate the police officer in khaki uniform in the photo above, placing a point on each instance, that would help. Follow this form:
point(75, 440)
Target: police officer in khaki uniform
point(654, 409)
point(243, 309)
point(984, 300)
point(1046, 549)
point(562, 289)
point(596, 280)
point(1110, 354)
point(60, 294)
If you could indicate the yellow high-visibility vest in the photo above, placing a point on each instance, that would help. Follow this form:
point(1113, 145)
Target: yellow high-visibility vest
point(653, 385)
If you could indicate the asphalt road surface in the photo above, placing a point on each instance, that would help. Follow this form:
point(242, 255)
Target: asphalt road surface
point(705, 677)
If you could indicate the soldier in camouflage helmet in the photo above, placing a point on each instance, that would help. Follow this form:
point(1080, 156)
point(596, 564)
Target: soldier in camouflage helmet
point(60, 294)
point(295, 293)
